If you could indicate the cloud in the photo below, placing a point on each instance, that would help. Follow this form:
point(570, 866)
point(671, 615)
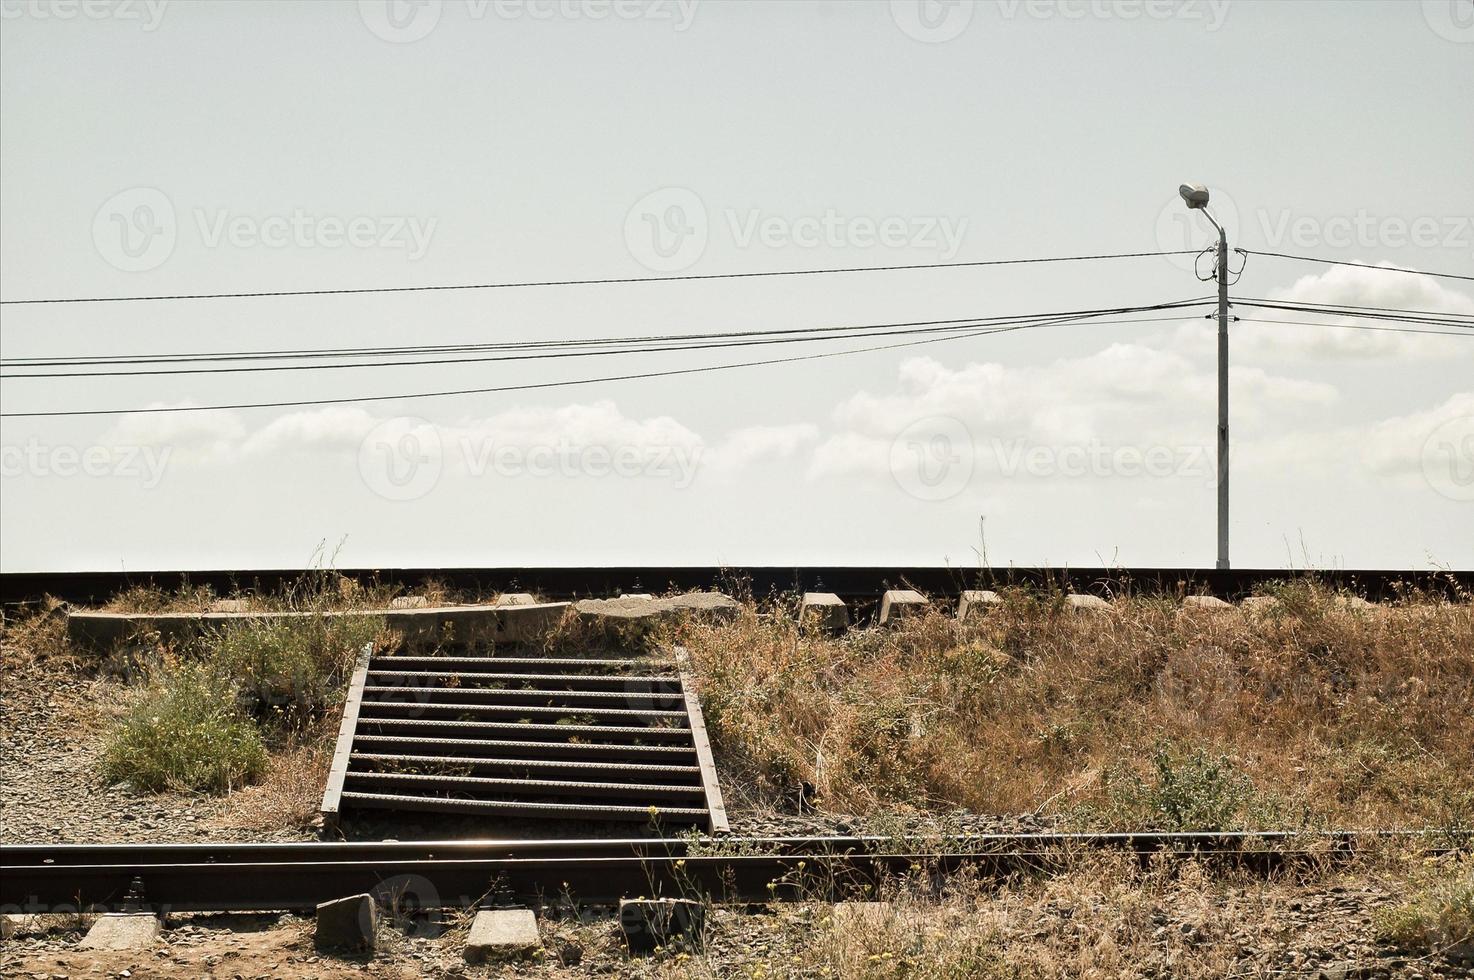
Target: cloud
point(1396, 449)
point(600, 423)
point(1345, 286)
point(1399, 446)
point(208, 436)
point(1125, 395)
point(336, 428)
point(746, 447)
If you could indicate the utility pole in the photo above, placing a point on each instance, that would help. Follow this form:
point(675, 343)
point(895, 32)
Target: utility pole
point(1196, 197)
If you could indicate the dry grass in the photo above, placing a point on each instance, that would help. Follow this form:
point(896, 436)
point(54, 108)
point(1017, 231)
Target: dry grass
point(1311, 713)
point(1438, 915)
point(37, 636)
point(1101, 919)
point(321, 590)
point(290, 792)
point(1101, 915)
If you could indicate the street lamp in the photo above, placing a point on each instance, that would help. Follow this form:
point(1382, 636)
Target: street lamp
point(1196, 198)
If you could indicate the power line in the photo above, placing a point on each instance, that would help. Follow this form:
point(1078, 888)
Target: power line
point(1373, 309)
point(637, 345)
point(1359, 326)
point(304, 403)
point(294, 354)
point(951, 326)
point(1359, 265)
point(1352, 312)
point(593, 282)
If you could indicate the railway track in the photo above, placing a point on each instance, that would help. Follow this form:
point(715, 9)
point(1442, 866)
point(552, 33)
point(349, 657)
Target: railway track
point(853, 583)
point(441, 874)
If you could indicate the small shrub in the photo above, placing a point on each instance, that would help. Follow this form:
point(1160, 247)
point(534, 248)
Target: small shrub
point(1187, 792)
point(153, 599)
point(185, 733)
point(288, 670)
point(35, 635)
point(1440, 915)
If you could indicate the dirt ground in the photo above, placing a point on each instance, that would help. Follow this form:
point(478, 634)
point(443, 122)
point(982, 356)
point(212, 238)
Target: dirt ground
point(53, 720)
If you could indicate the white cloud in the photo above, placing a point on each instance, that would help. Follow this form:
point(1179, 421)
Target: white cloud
point(336, 428)
point(205, 436)
point(755, 444)
point(1395, 449)
point(1126, 395)
point(1399, 446)
point(1346, 286)
point(599, 423)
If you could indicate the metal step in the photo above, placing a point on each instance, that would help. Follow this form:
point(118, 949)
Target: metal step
point(631, 792)
point(509, 665)
point(669, 698)
point(397, 709)
point(603, 733)
point(635, 771)
point(633, 682)
point(536, 750)
point(507, 808)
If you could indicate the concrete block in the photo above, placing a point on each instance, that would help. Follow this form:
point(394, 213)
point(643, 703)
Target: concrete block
point(408, 602)
point(636, 595)
point(651, 922)
point(713, 606)
point(515, 599)
point(469, 624)
point(824, 610)
point(973, 602)
point(625, 607)
point(478, 624)
point(230, 606)
point(348, 923)
point(1087, 603)
point(900, 602)
point(502, 933)
point(17, 925)
point(1204, 602)
point(123, 930)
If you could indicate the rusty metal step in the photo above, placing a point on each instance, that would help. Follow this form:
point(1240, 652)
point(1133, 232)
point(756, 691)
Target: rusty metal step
point(643, 681)
point(509, 696)
point(509, 808)
point(633, 793)
point(602, 733)
point(552, 750)
point(498, 665)
point(399, 709)
point(627, 770)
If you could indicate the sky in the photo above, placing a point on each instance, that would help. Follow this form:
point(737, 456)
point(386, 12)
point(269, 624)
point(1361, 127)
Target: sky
point(188, 148)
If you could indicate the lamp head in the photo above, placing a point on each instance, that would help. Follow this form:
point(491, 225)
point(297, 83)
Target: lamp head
point(1195, 195)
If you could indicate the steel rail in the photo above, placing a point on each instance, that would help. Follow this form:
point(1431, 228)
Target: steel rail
point(19, 855)
point(854, 583)
point(466, 883)
point(246, 877)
